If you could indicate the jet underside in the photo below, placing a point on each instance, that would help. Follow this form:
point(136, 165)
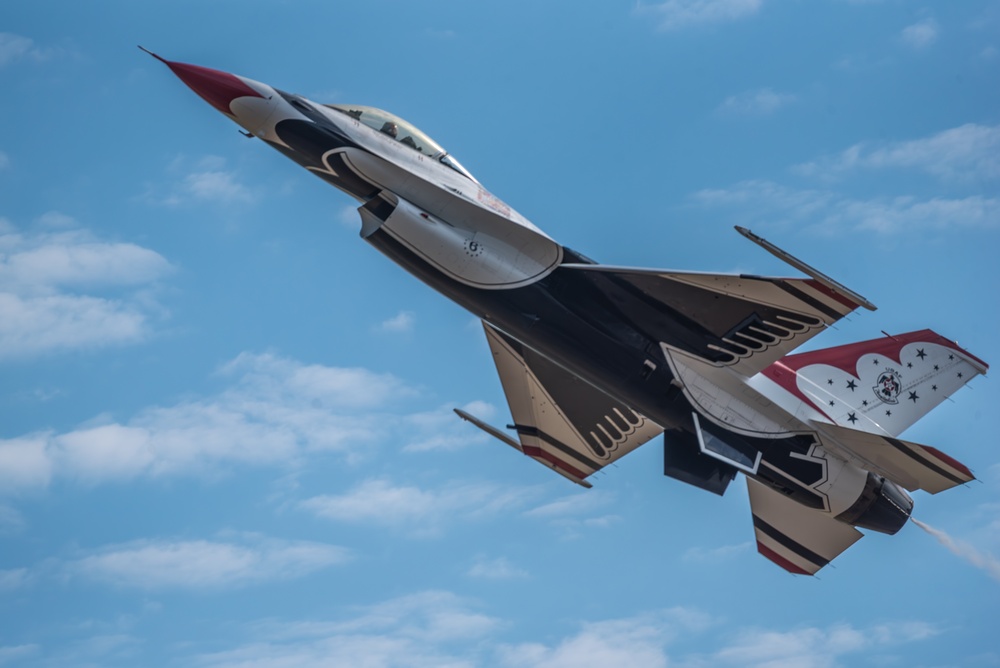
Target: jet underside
point(597, 360)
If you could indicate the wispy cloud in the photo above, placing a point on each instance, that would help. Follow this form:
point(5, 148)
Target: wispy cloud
point(207, 181)
point(400, 323)
point(441, 430)
point(197, 564)
point(499, 568)
point(815, 647)
point(575, 513)
point(4, 160)
point(348, 217)
point(966, 153)
point(43, 276)
point(432, 628)
point(215, 186)
point(13, 578)
point(581, 503)
point(760, 102)
point(832, 211)
point(16, 652)
point(679, 14)
point(10, 519)
point(921, 34)
point(715, 555)
point(16, 47)
point(438, 33)
point(438, 628)
point(275, 412)
point(639, 641)
point(419, 511)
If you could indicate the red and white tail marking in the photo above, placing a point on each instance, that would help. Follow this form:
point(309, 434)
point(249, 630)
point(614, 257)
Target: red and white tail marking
point(881, 386)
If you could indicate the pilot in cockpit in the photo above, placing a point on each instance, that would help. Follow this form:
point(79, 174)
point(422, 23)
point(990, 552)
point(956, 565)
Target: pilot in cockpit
point(390, 129)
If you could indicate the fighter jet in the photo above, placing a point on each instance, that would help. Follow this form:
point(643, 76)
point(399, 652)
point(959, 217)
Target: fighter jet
point(596, 360)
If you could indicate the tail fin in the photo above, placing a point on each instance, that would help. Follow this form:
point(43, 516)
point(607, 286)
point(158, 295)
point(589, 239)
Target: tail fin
point(881, 386)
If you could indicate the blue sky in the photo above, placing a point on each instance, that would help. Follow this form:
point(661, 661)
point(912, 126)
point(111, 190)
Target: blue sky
point(227, 436)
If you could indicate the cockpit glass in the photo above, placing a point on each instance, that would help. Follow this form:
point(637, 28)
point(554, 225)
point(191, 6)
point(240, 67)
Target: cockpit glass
point(401, 131)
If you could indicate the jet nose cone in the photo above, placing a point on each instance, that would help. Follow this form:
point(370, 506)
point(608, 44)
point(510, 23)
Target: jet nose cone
point(217, 88)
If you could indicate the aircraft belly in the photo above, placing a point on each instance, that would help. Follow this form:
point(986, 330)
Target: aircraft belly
point(572, 335)
point(569, 339)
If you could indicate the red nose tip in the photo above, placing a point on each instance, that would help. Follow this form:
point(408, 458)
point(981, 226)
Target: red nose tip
point(215, 87)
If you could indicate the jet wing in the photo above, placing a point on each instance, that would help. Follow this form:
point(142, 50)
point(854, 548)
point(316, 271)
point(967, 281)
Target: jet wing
point(910, 465)
point(744, 322)
point(562, 421)
point(799, 539)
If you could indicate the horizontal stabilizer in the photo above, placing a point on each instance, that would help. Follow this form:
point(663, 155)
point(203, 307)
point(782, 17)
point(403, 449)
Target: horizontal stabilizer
point(909, 465)
point(880, 386)
point(799, 539)
point(562, 421)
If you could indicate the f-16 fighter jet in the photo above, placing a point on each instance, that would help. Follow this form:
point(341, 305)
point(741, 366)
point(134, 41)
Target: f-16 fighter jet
point(596, 360)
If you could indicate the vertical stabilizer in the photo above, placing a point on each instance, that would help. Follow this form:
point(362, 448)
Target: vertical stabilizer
point(881, 386)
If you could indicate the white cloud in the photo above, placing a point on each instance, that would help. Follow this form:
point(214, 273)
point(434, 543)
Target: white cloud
point(275, 412)
point(678, 14)
point(421, 511)
point(15, 47)
point(813, 647)
point(10, 519)
point(441, 430)
point(216, 186)
point(495, 569)
point(574, 504)
point(400, 323)
point(25, 463)
point(639, 642)
point(73, 258)
point(434, 33)
point(435, 628)
point(42, 275)
point(715, 555)
point(198, 564)
point(760, 102)
point(277, 377)
point(921, 34)
point(970, 152)
point(832, 212)
point(14, 652)
point(348, 217)
point(4, 161)
point(37, 325)
point(425, 630)
point(206, 181)
point(13, 578)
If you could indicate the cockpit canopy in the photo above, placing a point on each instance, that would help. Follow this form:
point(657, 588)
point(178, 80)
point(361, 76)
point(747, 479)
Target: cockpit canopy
point(403, 132)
